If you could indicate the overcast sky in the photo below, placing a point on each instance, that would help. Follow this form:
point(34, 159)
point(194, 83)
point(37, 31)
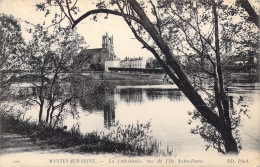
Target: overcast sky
point(124, 44)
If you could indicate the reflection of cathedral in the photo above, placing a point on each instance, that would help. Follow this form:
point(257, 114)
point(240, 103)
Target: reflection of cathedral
point(100, 103)
point(109, 113)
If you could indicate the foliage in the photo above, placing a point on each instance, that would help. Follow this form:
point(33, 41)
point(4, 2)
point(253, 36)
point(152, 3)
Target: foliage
point(11, 49)
point(211, 135)
point(96, 67)
point(152, 63)
point(11, 41)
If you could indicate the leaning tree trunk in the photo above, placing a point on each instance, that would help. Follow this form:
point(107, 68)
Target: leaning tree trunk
point(184, 84)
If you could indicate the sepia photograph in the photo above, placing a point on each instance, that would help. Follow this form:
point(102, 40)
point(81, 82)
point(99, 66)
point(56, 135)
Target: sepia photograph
point(129, 83)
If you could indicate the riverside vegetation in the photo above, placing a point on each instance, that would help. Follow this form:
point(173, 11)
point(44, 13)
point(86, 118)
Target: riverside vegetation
point(129, 140)
point(133, 139)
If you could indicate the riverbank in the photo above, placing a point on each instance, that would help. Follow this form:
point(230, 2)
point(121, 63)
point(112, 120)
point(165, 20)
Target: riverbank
point(18, 135)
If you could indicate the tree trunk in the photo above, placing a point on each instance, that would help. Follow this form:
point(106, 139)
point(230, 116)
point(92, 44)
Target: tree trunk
point(48, 112)
point(51, 98)
point(41, 97)
point(51, 115)
point(229, 142)
point(40, 112)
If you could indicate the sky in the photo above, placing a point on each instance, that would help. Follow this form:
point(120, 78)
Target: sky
point(124, 43)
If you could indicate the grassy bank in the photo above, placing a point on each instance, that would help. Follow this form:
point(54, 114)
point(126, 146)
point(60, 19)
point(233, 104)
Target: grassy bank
point(129, 140)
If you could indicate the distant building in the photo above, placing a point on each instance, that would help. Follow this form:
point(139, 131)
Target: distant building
point(111, 63)
point(133, 63)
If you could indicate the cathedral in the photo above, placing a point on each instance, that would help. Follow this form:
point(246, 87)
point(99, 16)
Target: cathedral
point(94, 59)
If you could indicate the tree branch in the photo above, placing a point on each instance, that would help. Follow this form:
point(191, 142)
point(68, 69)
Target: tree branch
point(187, 22)
point(71, 20)
point(68, 8)
point(157, 18)
point(106, 11)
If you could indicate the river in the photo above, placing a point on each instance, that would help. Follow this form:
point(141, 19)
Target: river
point(165, 107)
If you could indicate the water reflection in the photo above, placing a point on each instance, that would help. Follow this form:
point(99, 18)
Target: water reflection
point(173, 95)
point(109, 114)
point(93, 102)
point(137, 95)
point(131, 95)
point(231, 102)
point(106, 103)
point(163, 107)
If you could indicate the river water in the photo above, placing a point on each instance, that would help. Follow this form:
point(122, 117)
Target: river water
point(165, 107)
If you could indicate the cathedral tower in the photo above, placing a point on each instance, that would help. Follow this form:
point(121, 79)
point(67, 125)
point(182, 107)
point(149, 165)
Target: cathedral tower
point(108, 43)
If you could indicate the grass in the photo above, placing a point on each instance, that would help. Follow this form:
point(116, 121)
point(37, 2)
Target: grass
point(128, 140)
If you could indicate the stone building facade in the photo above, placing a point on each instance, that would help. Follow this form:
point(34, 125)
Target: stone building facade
point(133, 63)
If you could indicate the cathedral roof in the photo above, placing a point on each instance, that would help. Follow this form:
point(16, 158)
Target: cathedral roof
point(90, 51)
